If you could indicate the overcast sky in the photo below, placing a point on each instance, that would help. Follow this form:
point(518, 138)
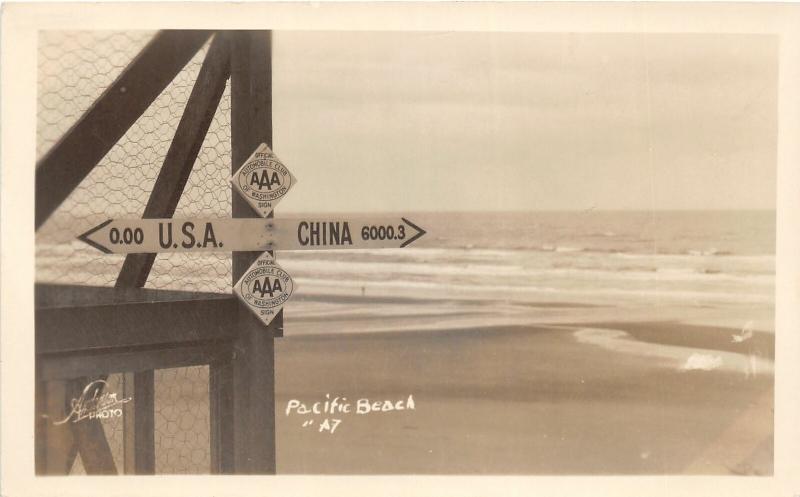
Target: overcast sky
point(504, 121)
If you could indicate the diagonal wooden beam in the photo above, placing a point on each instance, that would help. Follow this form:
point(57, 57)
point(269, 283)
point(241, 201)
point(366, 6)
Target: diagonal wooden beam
point(89, 438)
point(70, 160)
point(182, 154)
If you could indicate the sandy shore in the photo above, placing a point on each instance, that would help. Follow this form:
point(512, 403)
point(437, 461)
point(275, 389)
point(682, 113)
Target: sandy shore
point(524, 399)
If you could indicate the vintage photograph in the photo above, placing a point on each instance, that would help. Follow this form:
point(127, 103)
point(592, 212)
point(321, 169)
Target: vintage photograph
point(386, 252)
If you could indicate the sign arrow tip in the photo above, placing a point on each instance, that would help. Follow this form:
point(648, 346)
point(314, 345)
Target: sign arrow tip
point(85, 237)
point(419, 234)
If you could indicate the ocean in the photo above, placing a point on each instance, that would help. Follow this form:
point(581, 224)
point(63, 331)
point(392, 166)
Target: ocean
point(716, 256)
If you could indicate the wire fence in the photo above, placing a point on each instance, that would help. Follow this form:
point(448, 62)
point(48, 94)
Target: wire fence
point(74, 68)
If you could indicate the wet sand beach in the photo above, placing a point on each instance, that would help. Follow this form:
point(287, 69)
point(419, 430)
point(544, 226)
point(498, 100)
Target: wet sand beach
point(526, 399)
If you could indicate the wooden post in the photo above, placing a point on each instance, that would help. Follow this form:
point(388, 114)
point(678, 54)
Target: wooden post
point(55, 448)
point(220, 390)
point(138, 423)
point(253, 361)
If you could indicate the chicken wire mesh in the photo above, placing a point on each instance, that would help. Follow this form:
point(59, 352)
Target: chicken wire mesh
point(74, 68)
point(182, 435)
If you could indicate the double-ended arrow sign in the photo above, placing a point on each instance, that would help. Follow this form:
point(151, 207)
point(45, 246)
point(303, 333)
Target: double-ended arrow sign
point(131, 236)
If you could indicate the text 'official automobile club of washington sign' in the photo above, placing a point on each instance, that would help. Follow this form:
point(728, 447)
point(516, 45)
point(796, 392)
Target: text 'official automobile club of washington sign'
point(263, 180)
point(264, 288)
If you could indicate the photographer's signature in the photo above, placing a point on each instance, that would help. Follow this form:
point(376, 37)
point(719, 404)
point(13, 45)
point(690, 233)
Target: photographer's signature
point(95, 403)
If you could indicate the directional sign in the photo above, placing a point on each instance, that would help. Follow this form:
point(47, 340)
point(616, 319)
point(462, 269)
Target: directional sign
point(126, 236)
point(264, 288)
point(263, 180)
